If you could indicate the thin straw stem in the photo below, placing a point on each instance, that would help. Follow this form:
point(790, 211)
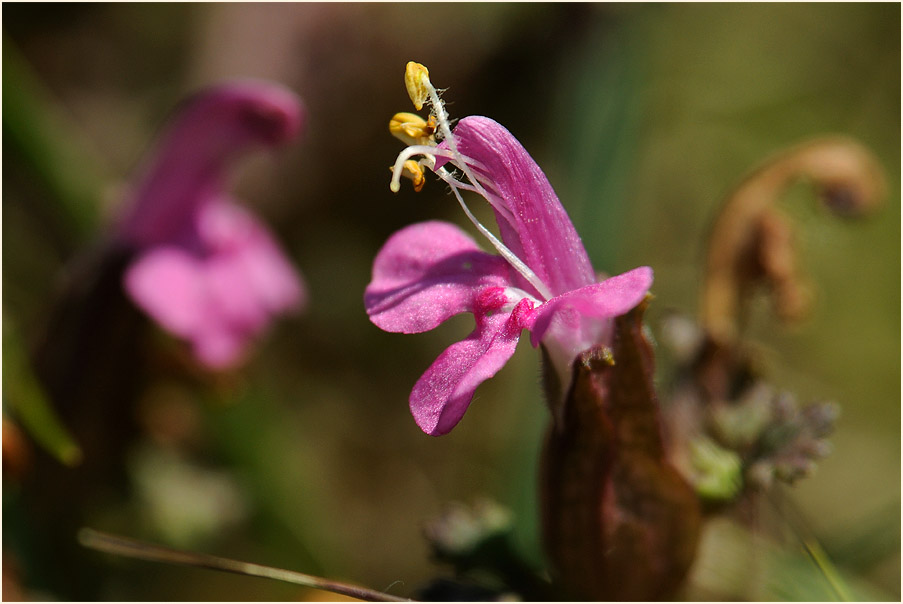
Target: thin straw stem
point(131, 548)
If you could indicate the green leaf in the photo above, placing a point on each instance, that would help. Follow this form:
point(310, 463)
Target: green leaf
point(37, 132)
point(24, 396)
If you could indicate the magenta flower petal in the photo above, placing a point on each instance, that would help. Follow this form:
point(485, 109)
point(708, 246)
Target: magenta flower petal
point(533, 224)
point(221, 300)
point(610, 298)
point(165, 283)
point(219, 349)
point(248, 262)
point(426, 273)
point(442, 395)
point(174, 288)
point(206, 270)
point(194, 156)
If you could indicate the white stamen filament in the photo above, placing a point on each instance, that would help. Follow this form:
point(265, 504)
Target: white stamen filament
point(445, 128)
point(429, 160)
point(515, 262)
point(498, 206)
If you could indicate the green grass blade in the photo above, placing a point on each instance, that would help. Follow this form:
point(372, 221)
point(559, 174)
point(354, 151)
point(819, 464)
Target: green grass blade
point(37, 132)
point(24, 396)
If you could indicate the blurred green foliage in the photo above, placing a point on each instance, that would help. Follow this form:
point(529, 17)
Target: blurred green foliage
point(26, 399)
point(643, 117)
point(43, 140)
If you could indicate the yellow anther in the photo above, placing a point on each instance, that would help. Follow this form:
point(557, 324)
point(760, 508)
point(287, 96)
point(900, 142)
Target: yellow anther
point(412, 129)
point(414, 172)
point(417, 81)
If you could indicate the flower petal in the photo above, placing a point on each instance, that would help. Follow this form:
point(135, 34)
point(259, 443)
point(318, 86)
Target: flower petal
point(192, 161)
point(167, 284)
point(221, 298)
point(186, 297)
point(207, 270)
point(610, 298)
point(426, 273)
point(220, 348)
point(249, 259)
point(442, 395)
point(533, 224)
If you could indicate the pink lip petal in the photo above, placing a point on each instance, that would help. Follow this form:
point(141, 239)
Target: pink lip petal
point(610, 298)
point(166, 283)
point(444, 392)
point(426, 273)
point(219, 349)
point(255, 259)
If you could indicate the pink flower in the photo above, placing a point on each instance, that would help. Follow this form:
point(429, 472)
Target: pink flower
point(206, 269)
point(542, 281)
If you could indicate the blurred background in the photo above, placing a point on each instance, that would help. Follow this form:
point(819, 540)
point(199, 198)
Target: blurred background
point(642, 116)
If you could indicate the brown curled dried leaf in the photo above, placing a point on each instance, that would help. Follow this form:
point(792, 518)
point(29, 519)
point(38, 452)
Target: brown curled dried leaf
point(751, 244)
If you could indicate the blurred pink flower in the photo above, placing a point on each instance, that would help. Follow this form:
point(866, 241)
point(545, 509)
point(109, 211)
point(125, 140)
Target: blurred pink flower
point(542, 282)
point(206, 269)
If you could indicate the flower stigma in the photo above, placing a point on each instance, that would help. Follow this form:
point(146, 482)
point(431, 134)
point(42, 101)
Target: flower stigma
point(421, 137)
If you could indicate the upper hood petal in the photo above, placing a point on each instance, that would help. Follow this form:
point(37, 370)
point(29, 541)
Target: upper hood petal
point(532, 222)
point(442, 395)
point(191, 161)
